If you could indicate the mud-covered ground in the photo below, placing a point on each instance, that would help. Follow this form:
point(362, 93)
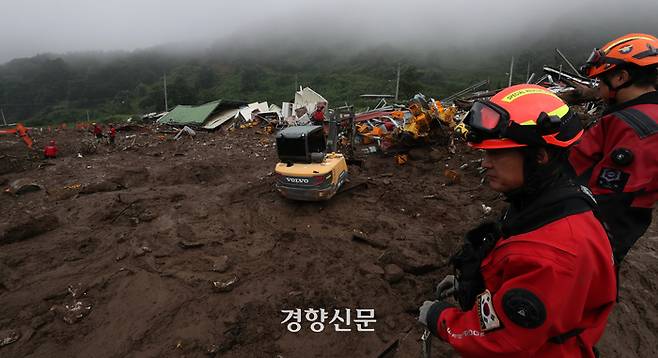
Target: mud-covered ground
point(127, 252)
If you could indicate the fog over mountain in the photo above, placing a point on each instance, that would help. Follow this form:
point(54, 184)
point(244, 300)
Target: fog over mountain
point(31, 27)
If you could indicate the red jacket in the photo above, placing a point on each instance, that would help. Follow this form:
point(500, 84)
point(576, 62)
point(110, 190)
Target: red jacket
point(113, 132)
point(50, 151)
point(603, 152)
point(318, 116)
point(567, 266)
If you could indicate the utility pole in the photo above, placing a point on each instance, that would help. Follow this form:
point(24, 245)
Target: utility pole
point(573, 68)
point(3, 117)
point(165, 93)
point(87, 115)
point(511, 72)
point(397, 84)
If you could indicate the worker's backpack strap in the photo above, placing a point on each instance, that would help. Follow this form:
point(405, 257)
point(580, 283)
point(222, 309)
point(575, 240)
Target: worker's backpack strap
point(477, 245)
point(643, 125)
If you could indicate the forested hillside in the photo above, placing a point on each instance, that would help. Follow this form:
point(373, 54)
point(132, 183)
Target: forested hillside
point(50, 88)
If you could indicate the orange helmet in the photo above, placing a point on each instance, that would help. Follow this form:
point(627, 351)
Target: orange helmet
point(520, 116)
point(637, 49)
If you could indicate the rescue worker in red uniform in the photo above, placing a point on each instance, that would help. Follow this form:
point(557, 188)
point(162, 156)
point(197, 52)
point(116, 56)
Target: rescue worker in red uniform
point(539, 282)
point(617, 157)
point(98, 131)
point(113, 134)
point(318, 117)
point(50, 151)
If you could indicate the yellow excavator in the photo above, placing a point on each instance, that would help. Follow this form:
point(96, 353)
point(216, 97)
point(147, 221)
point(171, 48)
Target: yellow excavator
point(310, 169)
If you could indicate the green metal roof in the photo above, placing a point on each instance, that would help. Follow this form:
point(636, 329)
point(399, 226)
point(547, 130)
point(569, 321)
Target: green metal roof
point(183, 114)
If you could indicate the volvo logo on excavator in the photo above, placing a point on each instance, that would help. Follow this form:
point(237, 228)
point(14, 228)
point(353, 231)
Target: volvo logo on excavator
point(298, 180)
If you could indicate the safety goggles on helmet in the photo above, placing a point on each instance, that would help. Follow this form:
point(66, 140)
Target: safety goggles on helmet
point(486, 120)
point(596, 59)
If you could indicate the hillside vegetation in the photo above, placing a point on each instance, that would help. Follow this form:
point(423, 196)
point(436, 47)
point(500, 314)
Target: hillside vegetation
point(51, 88)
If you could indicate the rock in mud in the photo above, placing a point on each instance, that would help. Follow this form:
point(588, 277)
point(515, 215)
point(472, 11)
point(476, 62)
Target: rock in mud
point(23, 186)
point(28, 228)
point(8, 336)
point(225, 285)
point(360, 236)
point(373, 269)
point(393, 273)
point(100, 187)
point(184, 244)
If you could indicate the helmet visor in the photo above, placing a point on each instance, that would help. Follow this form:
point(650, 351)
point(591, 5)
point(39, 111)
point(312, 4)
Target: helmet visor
point(486, 119)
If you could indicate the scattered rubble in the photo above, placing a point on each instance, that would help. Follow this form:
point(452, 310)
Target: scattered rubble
point(360, 236)
point(8, 336)
point(22, 186)
point(453, 176)
point(76, 308)
point(225, 285)
point(186, 130)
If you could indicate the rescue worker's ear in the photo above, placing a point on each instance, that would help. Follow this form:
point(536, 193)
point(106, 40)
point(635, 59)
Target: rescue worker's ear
point(542, 156)
point(618, 77)
point(624, 75)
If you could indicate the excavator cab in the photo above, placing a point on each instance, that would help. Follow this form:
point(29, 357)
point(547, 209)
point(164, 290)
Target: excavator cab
point(305, 170)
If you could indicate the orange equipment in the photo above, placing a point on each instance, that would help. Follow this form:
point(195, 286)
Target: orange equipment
point(21, 130)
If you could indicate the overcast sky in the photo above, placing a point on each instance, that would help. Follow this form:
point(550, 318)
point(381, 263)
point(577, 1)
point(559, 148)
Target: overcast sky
point(29, 27)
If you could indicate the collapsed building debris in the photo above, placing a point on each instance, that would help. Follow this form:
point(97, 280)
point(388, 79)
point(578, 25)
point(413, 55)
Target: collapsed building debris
point(185, 130)
point(209, 115)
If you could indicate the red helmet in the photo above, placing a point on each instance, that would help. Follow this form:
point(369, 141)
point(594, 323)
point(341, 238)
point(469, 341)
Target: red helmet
point(520, 116)
point(638, 49)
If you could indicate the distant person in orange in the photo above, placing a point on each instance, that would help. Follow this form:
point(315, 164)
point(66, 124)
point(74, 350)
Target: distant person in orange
point(22, 132)
point(50, 151)
point(113, 133)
